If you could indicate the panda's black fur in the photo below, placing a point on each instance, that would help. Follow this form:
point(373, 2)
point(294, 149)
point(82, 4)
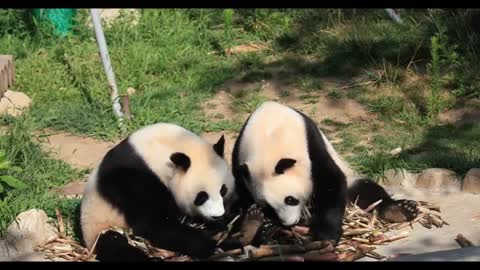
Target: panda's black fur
point(331, 191)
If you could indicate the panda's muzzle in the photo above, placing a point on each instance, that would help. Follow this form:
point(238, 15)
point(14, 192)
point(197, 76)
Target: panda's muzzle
point(219, 218)
point(219, 222)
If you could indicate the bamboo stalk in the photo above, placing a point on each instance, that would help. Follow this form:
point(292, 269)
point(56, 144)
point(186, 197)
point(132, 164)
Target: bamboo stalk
point(375, 255)
point(425, 223)
point(373, 219)
point(402, 225)
point(350, 256)
point(274, 250)
point(361, 240)
point(356, 232)
point(463, 242)
point(318, 256)
point(301, 229)
point(283, 259)
point(402, 235)
point(373, 205)
point(221, 255)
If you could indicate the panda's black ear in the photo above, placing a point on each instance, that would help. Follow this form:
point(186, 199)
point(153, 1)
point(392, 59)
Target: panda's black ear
point(220, 146)
point(284, 164)
point(180, 160)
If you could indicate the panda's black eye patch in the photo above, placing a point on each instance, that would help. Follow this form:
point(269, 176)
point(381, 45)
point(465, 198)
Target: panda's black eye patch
point(289, 200)
point(223, 190)
point(201, 198)
point(284, 164)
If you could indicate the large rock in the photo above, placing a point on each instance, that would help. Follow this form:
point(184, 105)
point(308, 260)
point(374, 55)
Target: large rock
point(29, 257)
point(400, 177)
point(29, 229)
point(437, 180)
point(471, 182)
point(14, 103)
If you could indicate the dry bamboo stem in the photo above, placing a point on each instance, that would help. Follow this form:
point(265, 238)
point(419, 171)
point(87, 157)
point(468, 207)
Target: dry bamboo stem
point(463, 242)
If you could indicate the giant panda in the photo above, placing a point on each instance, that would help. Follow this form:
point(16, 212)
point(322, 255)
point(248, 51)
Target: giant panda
point(281, 161)
point(147, 182)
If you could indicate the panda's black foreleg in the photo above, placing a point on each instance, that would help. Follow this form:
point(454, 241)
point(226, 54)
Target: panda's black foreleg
point(180, 238)
point(244, 197)
point(328, 212)
point(114, 247)
point(366, 192)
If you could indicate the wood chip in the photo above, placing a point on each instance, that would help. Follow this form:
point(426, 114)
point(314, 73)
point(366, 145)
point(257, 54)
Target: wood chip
point(356, 231)
point(463, 242)
point(373, 205)
point(301, 229)
point(61, 227)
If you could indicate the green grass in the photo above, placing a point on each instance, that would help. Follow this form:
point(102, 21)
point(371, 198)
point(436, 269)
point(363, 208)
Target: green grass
point(309, 84)
point(335, 94)
point(161, 57)
point(248, 100)
point(440, 146)
point(39, 172)
point(176, 60)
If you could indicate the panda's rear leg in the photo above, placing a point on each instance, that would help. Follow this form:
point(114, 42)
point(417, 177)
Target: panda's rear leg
point(399, 211)
point(366, 192)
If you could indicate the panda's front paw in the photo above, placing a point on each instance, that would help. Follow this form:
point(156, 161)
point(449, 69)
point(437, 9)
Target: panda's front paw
point(400, 211)
point(251, 224)
point(264, 234)
point(255, 214)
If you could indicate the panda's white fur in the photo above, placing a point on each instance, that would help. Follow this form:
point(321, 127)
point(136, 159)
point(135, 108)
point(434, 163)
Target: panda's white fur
point(280, 130)
point(96, 213)
point(154, 145)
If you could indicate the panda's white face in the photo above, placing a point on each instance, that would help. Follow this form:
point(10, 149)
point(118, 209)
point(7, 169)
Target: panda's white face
point(192, 169)
point(210, 205)
point(283, 191)
point(203, 190)
point(286, 195)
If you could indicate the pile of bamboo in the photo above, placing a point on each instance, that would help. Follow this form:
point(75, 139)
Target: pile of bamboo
point(429, 216)
point(363, 232)
point(61, 248)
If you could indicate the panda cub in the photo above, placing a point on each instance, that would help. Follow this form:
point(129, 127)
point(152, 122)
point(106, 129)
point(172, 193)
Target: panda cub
point(281, 160)
point(146, 183)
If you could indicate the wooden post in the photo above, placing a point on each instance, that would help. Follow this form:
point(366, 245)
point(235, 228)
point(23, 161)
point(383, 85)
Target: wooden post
point(6, 73)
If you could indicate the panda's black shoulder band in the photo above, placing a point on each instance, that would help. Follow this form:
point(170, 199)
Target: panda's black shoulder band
point(220, 146)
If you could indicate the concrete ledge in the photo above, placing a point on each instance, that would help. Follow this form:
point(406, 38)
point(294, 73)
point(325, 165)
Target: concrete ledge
point(471, 254)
